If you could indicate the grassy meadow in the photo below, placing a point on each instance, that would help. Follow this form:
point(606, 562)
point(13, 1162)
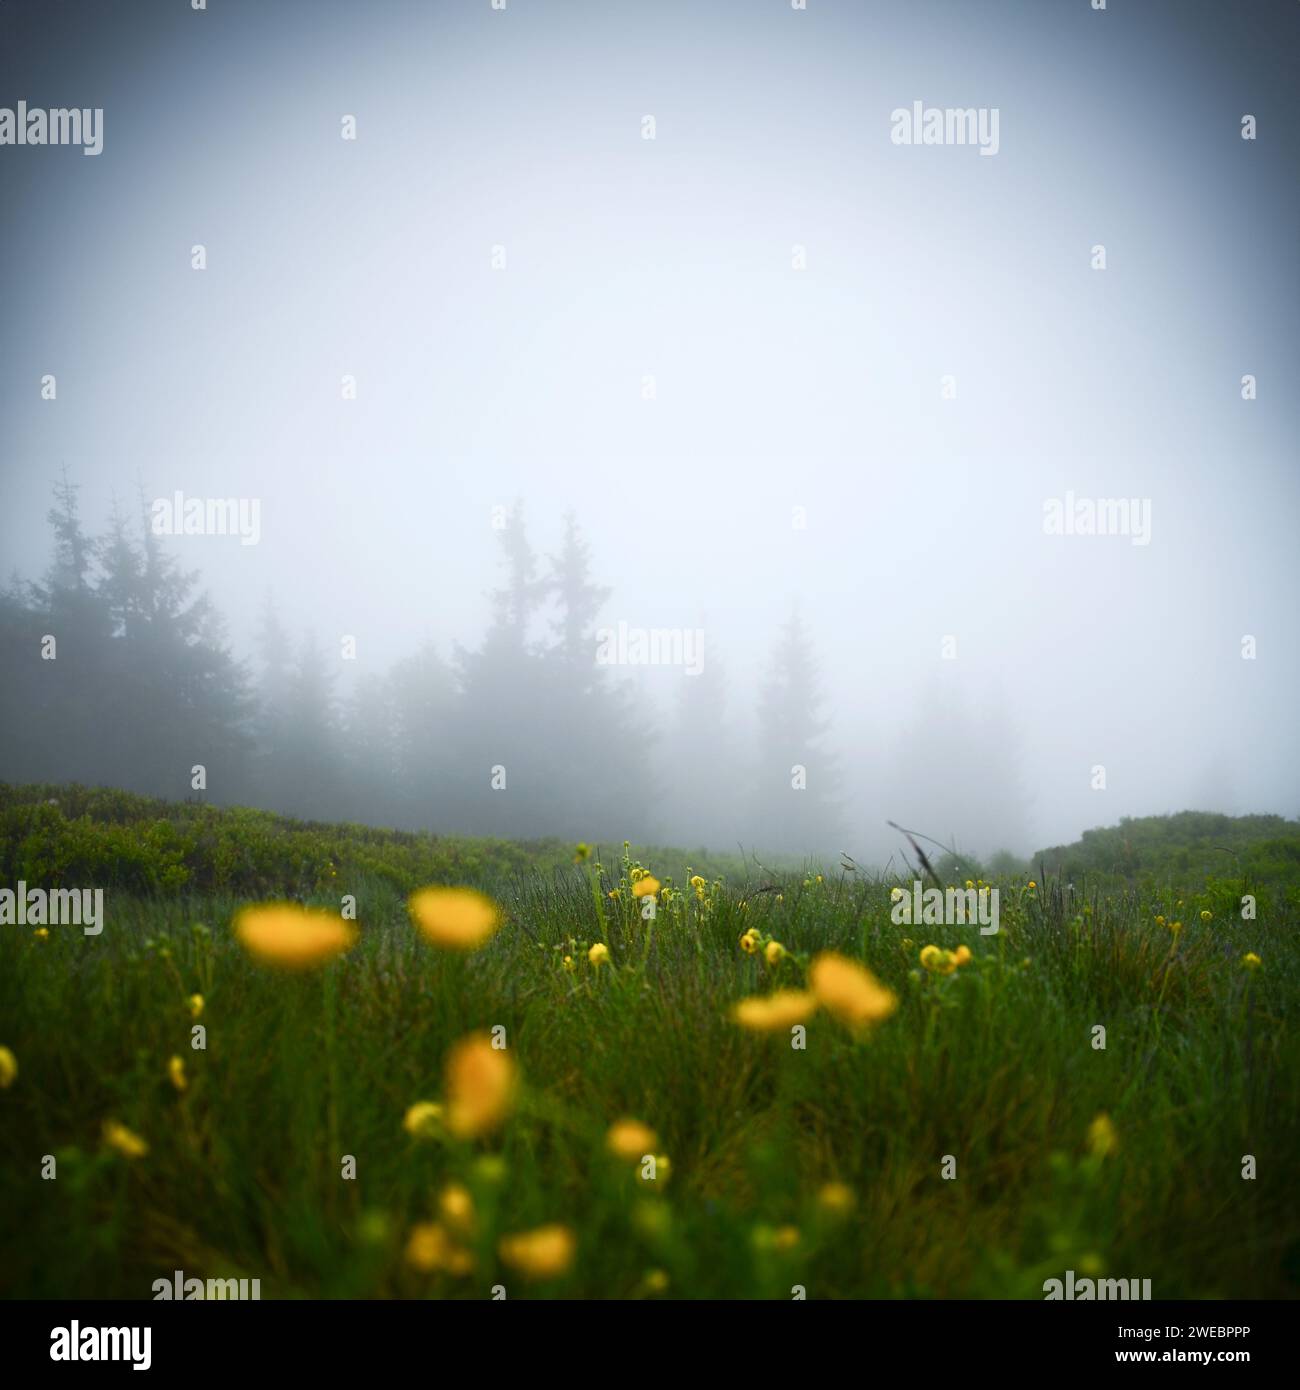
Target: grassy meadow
point(948, 1129)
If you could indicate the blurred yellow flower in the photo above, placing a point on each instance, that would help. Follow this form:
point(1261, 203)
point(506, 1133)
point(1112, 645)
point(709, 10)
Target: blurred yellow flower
point(427, 1247)
point(630, 1139)
point(8, 1068)
point(655, 1281)
point(849, 990)
point(1102, 1138)
point(771, 1013)
point(785, 1238)
point(1175, 927)
point(836, 1198)
point(480, 1086)
point(962, 954)
point(599, 954)
point(456, 1208)
point(1160, 921)
point(457, 919)
point(42, 933)
point(774, 952)
point(970, 883)
point(293, 937)
point(645, 887)
point(568, 964)
point(422, 1120)
point(1032, 884)
point(196, 1005)
point(1251, 961)
point(176, 1073)
point(697, 882)
point(581, 852)
point(1207, 916)
point(127, 1143)
point(749, 941)
point(941, 962)
point(544, 1253)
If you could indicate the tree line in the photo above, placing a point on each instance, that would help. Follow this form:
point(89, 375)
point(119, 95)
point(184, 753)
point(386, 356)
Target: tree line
point(118, 671)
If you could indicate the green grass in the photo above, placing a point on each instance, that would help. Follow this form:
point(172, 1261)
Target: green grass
point(993, 1065)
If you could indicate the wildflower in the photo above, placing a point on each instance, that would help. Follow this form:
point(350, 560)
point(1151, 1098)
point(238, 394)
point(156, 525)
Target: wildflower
point(962, 954)
point(749, 941)
point(849, 990)
point(1031, 884)
point(1102, 1139)
point(630, 1139)
point(836, 1198)
point(940, 962)
point(774, 953)
point(480, 1086)
point(697, 882)
point(456, 1207)
point(614, 894)
point(970, 883)
point(1175, 927)
point(1207, 916)
point(8, 1068)
point(645, 887)
point(655, 1281)
point(581, 852)
point(457, 919)
point(1251, 961)
point(1160, 921)
point(196, 1005)
point(426, 1247)
point(543, 1253)
point(820, 879)
point(895, 895)
point(422, 1119)
point(599, 954)
point(127, 1143)
point(293, 937)
point(568, 964)
point(785, 1238)
point(773, 1013)
point(176, 1073)
point(42, 933)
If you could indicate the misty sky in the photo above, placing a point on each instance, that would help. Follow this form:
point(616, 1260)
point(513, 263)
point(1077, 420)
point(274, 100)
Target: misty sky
point(775, 388)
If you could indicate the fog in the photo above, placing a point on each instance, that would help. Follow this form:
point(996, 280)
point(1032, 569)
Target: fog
point(809, 396)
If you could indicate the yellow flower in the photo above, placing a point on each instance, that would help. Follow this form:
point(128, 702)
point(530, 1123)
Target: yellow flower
point(176, 1073)
point(930, 956)
point(1207, 916)
point(1102, 1139)
point(427, 1247)
point(774, 952)
point(749, 941)
point(422, 1119)
point(293, 937)
point(849, 990)
point(962, 954)
point(456, 1207)
point(1160, 921)
point(940, 962)
point(785, 1238)
point(544, 1253)
point(42, 933)
point(655, 1281)
point(1251, 961)
point(630, 1140)
point(836, 1198)
point(196, 1005)
point(697, 883)
point(970, 883)
point(128, 1144)
point(1032, 884)
point(8, 1068)
point(457, 919)
point(1175, 927)
point(645, 887)
point(773, 1013)
point(480, 1086)
point(599, 954)
point(567, 963)
point(614, 894)
point(581, 852)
